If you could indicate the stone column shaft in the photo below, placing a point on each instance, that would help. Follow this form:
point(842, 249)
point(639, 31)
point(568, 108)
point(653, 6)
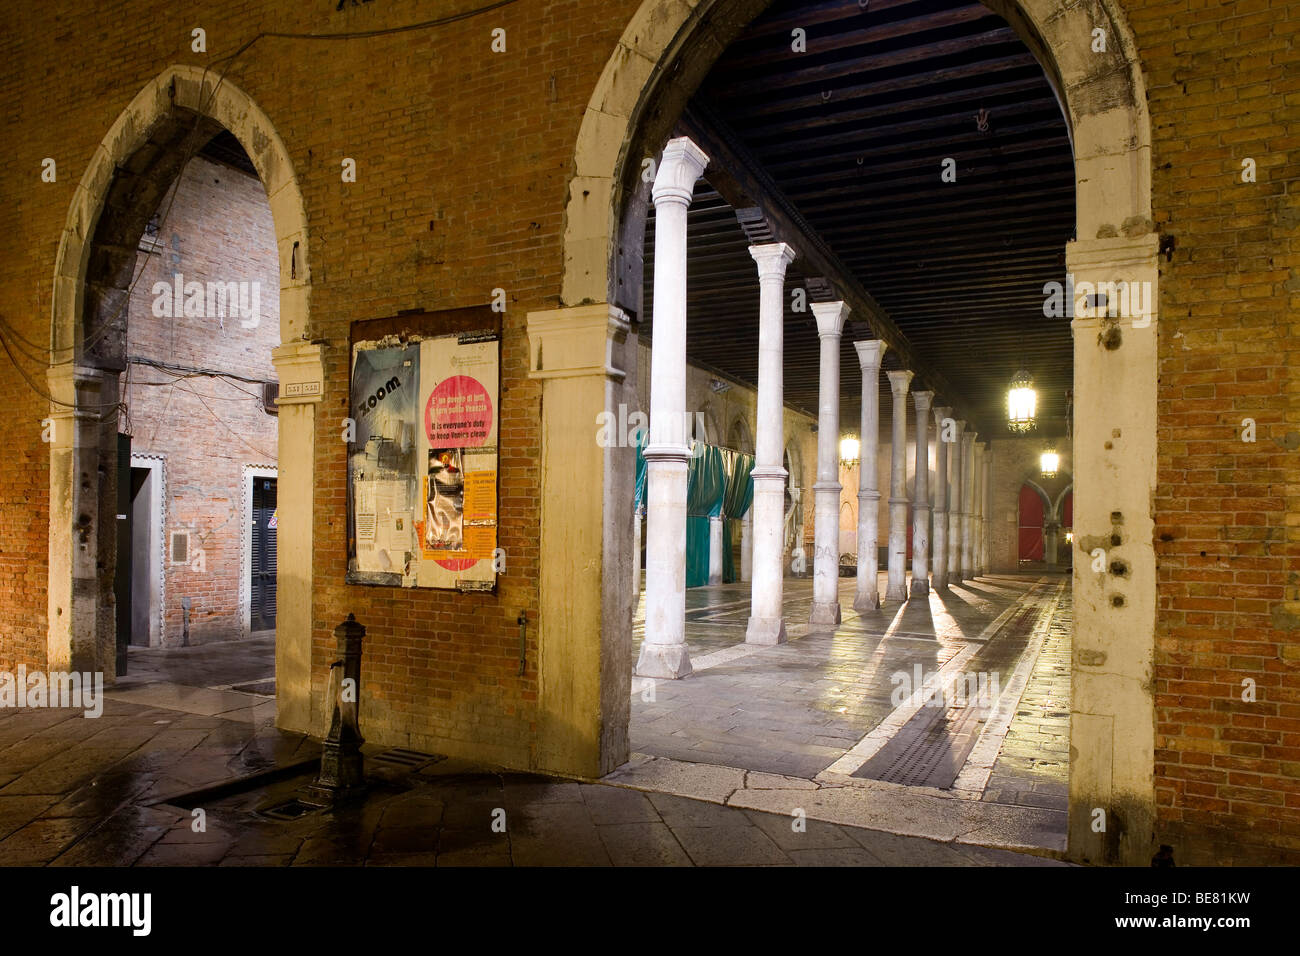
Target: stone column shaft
point(977, 507)
point(955, 508)
point(940, 570)
point(766, 624)
point(897, 583)
point(826, 529)
point(715, 550)
point(663, 652)
point(968, 505)
point(867, 597)
point(747, 546)
point(986, 508)
point(921, 497)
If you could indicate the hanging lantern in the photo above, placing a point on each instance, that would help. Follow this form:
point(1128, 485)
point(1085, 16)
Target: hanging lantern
point(1049, 462)
point(1022, 404)
point(850, 450)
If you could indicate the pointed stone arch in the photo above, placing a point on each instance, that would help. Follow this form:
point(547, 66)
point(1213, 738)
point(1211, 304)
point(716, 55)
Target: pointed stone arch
point(128, 173)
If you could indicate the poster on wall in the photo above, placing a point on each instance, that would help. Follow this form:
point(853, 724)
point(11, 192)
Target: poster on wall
point(422, 470)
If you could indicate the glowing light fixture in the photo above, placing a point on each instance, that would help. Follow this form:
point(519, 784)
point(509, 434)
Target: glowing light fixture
point(1022, 404)
point(1049, 462)
point(850, 450)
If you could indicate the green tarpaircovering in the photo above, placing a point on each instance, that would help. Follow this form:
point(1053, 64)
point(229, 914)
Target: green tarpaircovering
point(705, 484)
point(638, 498)
point(736, 499)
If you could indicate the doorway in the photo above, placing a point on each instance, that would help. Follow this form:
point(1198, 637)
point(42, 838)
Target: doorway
point(262, 525)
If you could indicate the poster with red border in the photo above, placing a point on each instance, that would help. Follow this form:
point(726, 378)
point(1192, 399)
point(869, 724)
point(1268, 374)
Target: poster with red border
point(459, 423)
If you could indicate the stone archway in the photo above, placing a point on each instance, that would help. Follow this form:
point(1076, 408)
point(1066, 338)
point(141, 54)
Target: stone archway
point(661, 58)
point(129, 172)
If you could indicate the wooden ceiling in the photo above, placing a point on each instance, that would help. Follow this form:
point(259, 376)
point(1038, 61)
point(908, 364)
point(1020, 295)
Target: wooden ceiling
point(852, 135)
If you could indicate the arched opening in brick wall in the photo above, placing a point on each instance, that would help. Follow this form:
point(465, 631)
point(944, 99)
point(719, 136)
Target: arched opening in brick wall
point(663, 57)
point(182, 269)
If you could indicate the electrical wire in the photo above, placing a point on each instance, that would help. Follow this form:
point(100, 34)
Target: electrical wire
point(190, 150)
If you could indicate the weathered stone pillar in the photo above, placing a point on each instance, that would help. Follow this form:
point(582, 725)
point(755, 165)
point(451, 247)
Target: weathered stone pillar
point(1112, 716)
point(766, 625)
point(968, 505)
point(747, 546)
point(867, 597)
point(715, 549)
point(940, 570)
point(897, 583)
point(921, 497)
point(826, 529)
point(663, 652)
point(955, 509)
point(579, 357)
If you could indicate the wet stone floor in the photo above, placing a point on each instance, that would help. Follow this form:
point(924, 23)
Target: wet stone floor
point(801, 708)
point(193, 729)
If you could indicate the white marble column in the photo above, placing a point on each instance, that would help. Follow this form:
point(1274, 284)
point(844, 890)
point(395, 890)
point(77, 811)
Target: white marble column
point(867, 597)
point(766, 624)
point(826, 524)
point(636, 556)
point(897, 581)
point(663, 652)
point(747, 546)
point(977, 507)
point(986, 508)
point(715, 550)
point(956, 507)
point(921, 497)
point(968, 504)
point(940, 569)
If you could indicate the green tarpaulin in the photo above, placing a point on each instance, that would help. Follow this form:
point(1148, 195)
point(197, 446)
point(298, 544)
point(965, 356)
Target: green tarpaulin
point(718, 484)
point(737, 498)
point(706, 482)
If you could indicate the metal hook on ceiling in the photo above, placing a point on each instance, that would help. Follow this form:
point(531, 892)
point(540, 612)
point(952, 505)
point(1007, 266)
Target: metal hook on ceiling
point(826, 95)
point(863, 3)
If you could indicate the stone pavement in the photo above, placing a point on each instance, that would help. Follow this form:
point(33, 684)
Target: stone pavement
point(123, 790)
point(834, 712)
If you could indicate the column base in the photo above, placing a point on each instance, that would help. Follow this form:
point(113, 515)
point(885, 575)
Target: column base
point(765, 630)
point(867, 601)
point(825, 615)
point(896, 593)
point(663, 661)
point(920, 587)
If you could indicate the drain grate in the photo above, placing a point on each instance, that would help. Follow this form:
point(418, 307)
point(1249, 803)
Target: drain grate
point(289, 810)
point(265, 688)
point(408, 759)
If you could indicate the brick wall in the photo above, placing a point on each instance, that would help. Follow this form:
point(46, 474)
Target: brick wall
point(217, 228)
point(463, 160)
point(1224, 85)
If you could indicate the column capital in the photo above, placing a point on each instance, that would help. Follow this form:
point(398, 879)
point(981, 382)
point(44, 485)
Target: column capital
point(899, 379)
point(830, 318)
point(969, 438)
point(922, 401)
point(300, 367)
point(680, 166)
point(940, 413)
point(575, 341)
point(870, 352)
point(772, 259)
